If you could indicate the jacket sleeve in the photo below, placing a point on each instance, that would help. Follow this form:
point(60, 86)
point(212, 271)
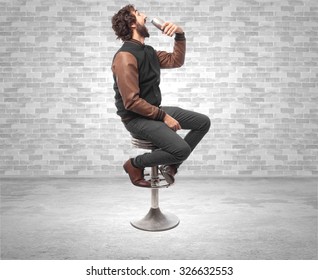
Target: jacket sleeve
point(176, 58)
point(125, 69)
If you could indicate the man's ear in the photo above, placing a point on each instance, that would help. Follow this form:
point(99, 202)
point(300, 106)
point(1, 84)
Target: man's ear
point(133, 25)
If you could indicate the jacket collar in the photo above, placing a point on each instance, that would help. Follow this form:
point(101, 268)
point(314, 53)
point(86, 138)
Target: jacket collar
point(136, 42)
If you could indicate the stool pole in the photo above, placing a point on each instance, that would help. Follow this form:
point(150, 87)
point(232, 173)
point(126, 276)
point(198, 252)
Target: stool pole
point(154, 192)
point(154, 198)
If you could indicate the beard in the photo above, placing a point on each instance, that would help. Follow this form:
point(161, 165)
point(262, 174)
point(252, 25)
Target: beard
point(142, 30)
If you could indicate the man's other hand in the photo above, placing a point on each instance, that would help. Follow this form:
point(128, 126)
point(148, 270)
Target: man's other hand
point(171, 123)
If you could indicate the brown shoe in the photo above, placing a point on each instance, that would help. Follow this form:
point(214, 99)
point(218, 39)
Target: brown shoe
point(136, 175)
point(168, 172)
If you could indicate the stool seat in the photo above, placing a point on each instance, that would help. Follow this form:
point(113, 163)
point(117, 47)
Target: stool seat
point(143, 144)
point(155, 220)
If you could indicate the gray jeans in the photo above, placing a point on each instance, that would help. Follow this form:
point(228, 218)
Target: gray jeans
point(172, 148)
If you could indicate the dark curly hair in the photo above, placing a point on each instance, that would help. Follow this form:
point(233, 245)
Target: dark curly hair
point(122, 21)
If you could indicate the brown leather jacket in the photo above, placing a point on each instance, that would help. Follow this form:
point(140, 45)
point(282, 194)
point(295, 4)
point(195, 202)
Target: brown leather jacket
point(126, 74)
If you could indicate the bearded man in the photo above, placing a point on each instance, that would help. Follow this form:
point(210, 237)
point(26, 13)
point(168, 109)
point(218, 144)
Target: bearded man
point(136, 71)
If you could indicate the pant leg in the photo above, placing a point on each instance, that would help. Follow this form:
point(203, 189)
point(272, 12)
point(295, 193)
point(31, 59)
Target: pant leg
point(172, 149)
point(197, 123)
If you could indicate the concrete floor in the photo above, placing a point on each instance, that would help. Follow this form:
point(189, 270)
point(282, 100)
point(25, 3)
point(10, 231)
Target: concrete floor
point(239, 218)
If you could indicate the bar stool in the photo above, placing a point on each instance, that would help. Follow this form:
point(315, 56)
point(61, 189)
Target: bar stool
point(155, 220)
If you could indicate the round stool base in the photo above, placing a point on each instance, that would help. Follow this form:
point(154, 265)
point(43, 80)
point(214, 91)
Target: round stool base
point(155, 220)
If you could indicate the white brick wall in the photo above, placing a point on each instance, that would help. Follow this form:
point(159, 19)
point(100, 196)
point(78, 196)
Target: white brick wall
point(252, 66)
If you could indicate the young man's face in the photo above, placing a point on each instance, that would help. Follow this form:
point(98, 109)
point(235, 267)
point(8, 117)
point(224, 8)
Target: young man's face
point(140, 24)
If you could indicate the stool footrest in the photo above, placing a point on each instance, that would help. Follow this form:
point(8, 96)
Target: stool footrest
point(157, 185)
point(157, 182)
point(155, 220)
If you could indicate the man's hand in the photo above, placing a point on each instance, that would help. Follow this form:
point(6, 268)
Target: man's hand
point(171, 123)
point(170, 29)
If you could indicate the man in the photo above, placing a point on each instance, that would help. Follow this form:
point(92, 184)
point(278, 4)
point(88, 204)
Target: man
point(136, 71)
